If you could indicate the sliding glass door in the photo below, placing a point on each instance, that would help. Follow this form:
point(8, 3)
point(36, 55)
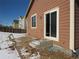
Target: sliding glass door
point(48, 24)
point(51, 24)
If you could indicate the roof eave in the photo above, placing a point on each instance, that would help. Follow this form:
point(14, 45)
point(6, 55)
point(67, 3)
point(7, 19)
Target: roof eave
point(29, 7)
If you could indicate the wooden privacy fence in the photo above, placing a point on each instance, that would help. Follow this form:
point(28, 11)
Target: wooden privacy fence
point(8, 29)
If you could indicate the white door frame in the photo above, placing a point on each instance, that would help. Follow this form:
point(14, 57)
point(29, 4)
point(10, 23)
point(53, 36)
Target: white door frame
point(49, 11)
point(72, 21)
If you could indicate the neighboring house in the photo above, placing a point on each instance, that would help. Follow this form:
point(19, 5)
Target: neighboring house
point(56, 20)
point(15, 24)
point(21, 22)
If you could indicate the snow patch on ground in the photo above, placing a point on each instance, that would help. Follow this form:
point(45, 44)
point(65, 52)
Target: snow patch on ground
point(5, 52)
point(4, 35)
point(9, 54)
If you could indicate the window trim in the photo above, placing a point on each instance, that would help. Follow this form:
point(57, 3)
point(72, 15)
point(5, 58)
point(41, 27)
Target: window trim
point(36, 20)
point(72, 25)
point(57, 33)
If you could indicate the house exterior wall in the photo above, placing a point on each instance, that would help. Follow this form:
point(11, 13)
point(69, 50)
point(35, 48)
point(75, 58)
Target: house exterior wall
point(77, 25)
point(41, 6)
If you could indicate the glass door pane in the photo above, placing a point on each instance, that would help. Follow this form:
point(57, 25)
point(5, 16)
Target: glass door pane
point(48, 24)
point(53, 23)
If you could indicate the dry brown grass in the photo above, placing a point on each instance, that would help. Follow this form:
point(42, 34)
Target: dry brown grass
point(56, 55)
point(24, 41)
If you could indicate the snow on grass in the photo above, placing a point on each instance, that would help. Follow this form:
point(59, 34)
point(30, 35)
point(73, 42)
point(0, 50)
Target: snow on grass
point(8, 53)
point(4, 35)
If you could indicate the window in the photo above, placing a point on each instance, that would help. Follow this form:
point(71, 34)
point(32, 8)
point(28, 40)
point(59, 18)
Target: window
point(34, 21)
point(52, 24)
